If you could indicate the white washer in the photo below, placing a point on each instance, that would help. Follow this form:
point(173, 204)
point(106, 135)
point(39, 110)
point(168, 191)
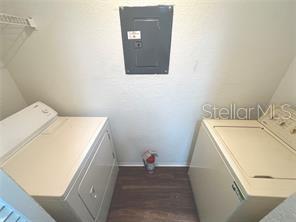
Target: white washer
point(68, 164)
point(242, 169)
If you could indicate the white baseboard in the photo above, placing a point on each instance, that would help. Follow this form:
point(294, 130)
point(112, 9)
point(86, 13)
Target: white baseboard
point(164, 164)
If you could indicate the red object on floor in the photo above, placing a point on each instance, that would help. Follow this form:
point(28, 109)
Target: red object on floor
point(151, 159)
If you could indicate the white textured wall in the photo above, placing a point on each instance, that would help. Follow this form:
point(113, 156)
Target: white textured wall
point(286, 91)
point(11, 99)
point(222, 52)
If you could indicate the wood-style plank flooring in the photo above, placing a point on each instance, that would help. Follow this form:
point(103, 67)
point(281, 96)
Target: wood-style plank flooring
point(164, 196)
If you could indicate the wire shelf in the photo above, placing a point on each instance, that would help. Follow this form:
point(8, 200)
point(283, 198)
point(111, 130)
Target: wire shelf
point(17, 20)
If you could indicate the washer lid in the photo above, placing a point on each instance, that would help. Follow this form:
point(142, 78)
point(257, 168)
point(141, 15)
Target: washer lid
point(259, 153)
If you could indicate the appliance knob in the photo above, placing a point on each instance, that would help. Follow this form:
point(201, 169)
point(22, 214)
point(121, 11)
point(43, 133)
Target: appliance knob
point(282, 122)
point(44, 111)
point(293, 131)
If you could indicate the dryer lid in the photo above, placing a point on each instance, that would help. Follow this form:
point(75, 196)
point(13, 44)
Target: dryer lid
point(258, 152)
point(21, 127)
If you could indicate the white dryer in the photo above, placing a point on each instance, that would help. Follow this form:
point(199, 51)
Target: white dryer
point(68, 164)
point(242, 169)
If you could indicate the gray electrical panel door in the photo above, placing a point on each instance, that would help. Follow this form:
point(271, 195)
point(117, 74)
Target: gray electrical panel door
point(146, 38)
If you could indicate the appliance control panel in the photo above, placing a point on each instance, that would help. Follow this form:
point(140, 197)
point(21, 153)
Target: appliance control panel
point(281, 120)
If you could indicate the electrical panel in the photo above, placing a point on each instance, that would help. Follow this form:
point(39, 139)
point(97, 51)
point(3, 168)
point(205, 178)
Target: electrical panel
point(146, 38)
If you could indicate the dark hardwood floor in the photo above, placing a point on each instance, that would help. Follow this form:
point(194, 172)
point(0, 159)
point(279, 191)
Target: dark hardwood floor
point(164, 196)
